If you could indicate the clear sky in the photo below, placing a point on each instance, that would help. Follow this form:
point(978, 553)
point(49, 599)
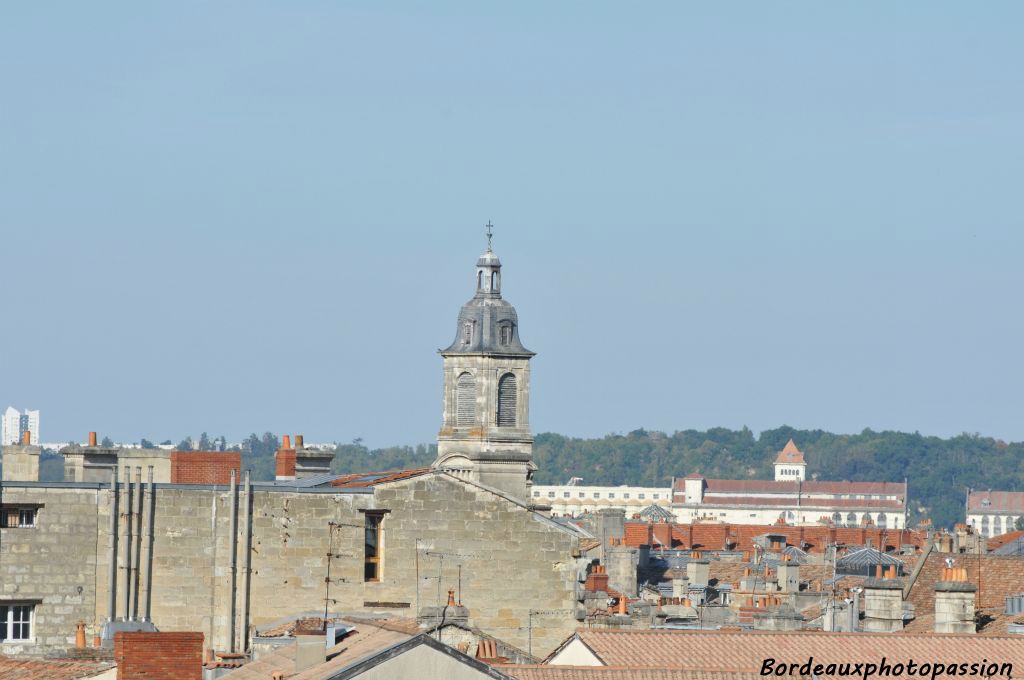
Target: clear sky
point(239, 216)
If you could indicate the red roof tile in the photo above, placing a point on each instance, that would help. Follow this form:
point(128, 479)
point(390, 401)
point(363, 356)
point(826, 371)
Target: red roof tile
point(996, 501)
point(790, 454)
point(745, 651)
point(51, 669)
point(365, 479)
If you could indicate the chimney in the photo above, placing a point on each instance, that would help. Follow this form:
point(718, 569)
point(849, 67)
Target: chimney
point(298, 441)
point(92, 439)
point(954, 602)
point(451, 598)
point(883, 602)
point(698, 571)
point(789, 576)
point(80, 635)
point(285, 460)
point(310, 462)
point(26, 438)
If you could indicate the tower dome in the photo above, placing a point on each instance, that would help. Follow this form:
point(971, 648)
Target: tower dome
point(487, 323)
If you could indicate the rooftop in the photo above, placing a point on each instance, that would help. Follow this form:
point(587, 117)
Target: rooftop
point(791, 455)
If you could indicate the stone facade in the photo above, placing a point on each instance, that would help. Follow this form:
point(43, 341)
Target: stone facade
point(433, 524)
point(21, 463)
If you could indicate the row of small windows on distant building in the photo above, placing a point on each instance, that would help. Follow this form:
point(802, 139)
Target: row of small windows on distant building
point(996, 526)
point(597, 494)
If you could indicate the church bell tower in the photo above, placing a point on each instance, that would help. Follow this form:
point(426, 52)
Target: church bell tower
point(485, 433)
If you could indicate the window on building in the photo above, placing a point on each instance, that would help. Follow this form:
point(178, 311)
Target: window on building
point(507, 401)
point(465, 400)
point(16, 621)
point(479, 280)
point(656, 496)
point(505, 334)
point(851, 519)
point(17, 518)
point(373, 548)
point(536, 494)
point(597, 494)
point(583, 494)
point(565, 494)
point(611, 494)
point(882, 520)
point(625, 495)
point(467, 333)
point(641, 496)
point(551, 494)
point(837, 518)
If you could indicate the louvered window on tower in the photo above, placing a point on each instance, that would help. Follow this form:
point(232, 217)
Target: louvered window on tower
point(507, 401)
point(465, 400)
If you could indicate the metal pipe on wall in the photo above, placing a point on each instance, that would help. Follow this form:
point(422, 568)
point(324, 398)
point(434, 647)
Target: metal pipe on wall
point(112, 577)
point(138, 545)
point(247, 562)
point(234, 559)
point(128, 543)
point(148, 611)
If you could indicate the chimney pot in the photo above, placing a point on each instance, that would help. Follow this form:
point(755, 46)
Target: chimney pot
point(622, 604)
point(286, 442)
point(80, 635)
point(92, 439)
point(451, 598)
point(26, 437)
point(878, 571)
point(298, 441)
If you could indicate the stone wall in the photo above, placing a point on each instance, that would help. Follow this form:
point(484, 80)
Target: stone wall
point(53, 564)
point(513, 561)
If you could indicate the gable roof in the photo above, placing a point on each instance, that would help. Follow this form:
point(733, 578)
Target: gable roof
point(620, 673)
point(790, 454)
point(385, 655)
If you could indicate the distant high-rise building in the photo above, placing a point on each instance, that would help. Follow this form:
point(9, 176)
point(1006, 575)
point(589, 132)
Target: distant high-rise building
point(15, 422)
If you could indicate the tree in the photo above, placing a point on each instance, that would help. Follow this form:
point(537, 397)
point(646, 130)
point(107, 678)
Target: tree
point(204, 443)
point(146, 444)
point(185, 444)
point(107, 443)
point(166, 442)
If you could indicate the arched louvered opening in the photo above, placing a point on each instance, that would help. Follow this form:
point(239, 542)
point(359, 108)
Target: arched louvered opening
point(883, 521)
point(465, 400)
point(851, 519)
point(507, 401)
point(837, 518)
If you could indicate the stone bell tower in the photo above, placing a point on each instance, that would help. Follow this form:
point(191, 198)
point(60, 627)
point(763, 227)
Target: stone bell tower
point(485, 435)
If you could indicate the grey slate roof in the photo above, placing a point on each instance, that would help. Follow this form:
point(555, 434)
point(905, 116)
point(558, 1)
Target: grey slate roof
point(485, 314)
point(656, 513)
point(863, 561)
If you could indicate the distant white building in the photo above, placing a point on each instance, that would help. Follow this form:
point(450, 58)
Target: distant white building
point(573, 499)
point(992, 513)
point(790, 499)
point(15, 422)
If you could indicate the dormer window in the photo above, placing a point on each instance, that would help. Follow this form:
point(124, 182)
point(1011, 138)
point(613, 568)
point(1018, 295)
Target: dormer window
point(505, 334)
point(467, 333)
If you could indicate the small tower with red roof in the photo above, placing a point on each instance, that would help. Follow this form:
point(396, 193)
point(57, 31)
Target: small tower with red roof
point(790, 465)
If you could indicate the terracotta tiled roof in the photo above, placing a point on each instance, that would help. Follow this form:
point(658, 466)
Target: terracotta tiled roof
point(745, 651)
point(995, 501)
point(365, 479)
point(1001, 575)
point(619, 673)
point(368, 638)
point(708, 536)
point(790, 454)
point(1002, 539)
point(51, 669)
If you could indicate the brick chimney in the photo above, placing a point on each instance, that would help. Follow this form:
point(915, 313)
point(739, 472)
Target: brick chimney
point(954, 602)
point(92, 439)
point(159, 656)
point(285, 460)
point(26, 438)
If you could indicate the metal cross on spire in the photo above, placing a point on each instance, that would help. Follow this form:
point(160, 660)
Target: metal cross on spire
point(490, 233)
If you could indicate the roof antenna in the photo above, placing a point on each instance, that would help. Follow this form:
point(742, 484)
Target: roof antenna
point(490, 233)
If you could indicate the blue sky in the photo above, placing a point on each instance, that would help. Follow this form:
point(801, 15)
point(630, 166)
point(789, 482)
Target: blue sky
point(241, 216)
